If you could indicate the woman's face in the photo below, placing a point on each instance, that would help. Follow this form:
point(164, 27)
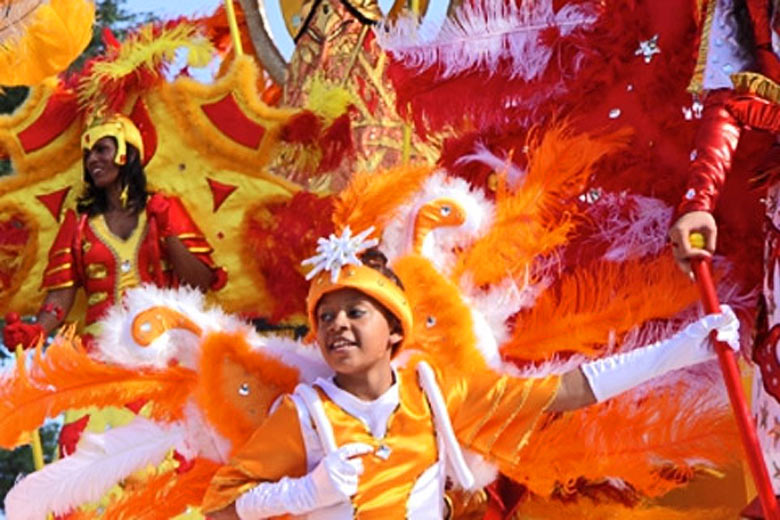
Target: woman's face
point(100, 163)
point(353, 333)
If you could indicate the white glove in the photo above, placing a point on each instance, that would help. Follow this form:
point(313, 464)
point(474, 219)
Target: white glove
point(333, 480)
point(616, 374)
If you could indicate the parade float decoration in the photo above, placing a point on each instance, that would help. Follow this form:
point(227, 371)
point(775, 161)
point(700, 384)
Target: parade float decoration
point(520, 161)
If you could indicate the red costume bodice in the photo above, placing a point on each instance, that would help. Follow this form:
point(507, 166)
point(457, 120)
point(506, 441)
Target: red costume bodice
point(80, 257)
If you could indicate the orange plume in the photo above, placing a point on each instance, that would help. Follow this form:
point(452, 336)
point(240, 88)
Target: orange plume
point(652, 452)
point(66, 378)
point(592, 304)
point(536, 218)
point(371, 199)
point(238, 385)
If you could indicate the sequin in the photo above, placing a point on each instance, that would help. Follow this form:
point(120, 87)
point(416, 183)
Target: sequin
point(691, 193)
point(243, 389)
point(430, 321)
point(614, 113)
point(125, 267)
point(383, 452)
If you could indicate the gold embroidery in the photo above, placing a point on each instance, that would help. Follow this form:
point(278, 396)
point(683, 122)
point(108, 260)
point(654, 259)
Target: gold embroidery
point(758, 84)
point(85, 247)
point(199, 249)
point(63, 251)
point(97, 271)
point(96, 298)
point(697, 81)
point(189, 236)
point(57, 269)
point(60, 286)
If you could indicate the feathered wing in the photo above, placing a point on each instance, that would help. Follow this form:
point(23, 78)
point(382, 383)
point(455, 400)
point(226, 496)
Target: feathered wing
point(536, 217)
point(238, 385)
point(163, 495)
point(593, 305)
point(100, 462)
point(653, 441)
point(65, 377)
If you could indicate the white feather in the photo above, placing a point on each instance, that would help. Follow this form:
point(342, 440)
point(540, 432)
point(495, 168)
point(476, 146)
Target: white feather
point(100, 462)
point(633, 225)
point(480, 35)
point(306, 358)
point(115, 343)
point(514, 174)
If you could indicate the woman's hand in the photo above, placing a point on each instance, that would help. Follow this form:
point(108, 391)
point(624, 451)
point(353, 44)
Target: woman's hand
point(680, 232)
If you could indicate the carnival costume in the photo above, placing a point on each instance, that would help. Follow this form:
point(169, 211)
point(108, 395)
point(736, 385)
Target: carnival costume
point(736, 100)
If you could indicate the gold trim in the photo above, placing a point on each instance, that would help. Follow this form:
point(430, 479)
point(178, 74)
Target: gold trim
point(57, 269)
point(96, 298)
point(697, 80)
point(63, 251)
point(188, 236)
point(757, 84)
point(199, 249)
point(85, 247)
point(96, 271)
point(63, 285)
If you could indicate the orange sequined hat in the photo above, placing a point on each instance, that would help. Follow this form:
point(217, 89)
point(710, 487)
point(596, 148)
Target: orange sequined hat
point(337, 266)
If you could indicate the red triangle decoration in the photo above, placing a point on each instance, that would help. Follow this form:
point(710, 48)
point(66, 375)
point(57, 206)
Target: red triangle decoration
point(220, 192)
point(54, 201)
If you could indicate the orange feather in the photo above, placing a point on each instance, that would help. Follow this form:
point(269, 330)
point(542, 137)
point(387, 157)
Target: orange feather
point(66, 378)
point(443, 326)
point(659, 439)
point(592, 304)
point(238, 385)
point(371, 199)
point(536, 218)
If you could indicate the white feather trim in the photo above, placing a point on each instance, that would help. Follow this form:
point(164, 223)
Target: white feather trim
point(100, 462)
point(306, 358)
point(398, 234)
point(484, 472)
point(480, 35)
point(115, 343)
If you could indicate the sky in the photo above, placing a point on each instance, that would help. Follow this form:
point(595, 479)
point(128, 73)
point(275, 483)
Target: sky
point(170, 9)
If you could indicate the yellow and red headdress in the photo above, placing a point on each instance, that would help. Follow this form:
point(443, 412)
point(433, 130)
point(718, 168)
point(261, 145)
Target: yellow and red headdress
point(337, 266)
point(120, 128)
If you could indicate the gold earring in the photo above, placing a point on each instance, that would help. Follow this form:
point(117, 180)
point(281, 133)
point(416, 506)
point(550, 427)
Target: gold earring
point(123, 197)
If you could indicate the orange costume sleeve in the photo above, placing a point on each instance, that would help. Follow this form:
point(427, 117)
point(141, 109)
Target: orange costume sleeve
point(62, 269)
point(274, 451)
point(495, 415)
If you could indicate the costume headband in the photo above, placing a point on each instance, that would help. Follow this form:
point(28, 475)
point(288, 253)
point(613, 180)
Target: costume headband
point(337, 266)
point(120, 128)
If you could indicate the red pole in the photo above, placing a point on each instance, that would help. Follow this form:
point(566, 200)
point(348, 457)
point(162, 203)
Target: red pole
point(728, 366)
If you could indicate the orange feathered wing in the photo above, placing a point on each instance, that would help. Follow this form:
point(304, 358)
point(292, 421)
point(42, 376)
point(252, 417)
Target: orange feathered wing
point(535, 218)
point(588, 306)
point(238, 385)
point(65, 378)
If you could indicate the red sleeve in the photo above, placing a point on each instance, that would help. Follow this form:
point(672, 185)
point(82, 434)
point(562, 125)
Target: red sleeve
point(181, 225)
point(62, 269)
point(716, 142)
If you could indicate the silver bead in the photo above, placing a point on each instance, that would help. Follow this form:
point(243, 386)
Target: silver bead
point(614, 113)
point(691, 193)
point(243, 390)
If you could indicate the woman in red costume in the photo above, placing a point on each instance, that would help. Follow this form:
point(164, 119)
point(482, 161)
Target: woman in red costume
point(119, 237)
point(740, 78)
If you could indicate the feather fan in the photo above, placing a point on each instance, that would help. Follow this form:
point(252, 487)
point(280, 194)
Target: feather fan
point(660, 434)
point(589, 306)
point(165, 495)
point(535, 218)
point(479, 35)
point(100, 462)
point(66, 378)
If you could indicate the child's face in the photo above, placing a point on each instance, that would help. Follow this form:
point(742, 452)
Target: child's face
point(353, 333)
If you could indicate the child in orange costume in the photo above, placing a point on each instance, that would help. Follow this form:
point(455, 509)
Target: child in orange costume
point(374, 440)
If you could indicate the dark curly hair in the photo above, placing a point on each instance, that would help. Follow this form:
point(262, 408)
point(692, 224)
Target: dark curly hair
point(376, 259)
point(93, 200)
